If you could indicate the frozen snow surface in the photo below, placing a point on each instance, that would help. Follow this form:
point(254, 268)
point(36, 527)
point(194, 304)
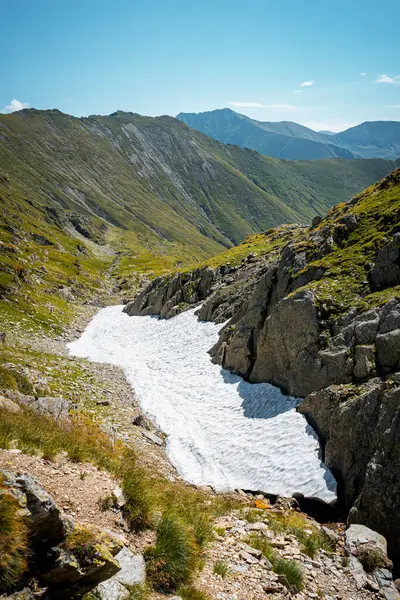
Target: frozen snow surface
point(222, 431)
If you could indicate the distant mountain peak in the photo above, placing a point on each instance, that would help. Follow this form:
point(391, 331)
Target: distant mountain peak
point(290, 140)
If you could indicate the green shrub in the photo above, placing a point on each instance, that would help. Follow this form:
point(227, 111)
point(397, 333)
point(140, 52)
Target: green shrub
point(310, 545)
point(221, 568)
point(13, 542)
point(290, 574)
point(172, 560)
point(138, 494)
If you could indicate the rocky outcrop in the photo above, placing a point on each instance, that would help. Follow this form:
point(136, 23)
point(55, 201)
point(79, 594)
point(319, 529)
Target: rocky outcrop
point(360, 430)
point(386, 270)
point(66, 558)
point(58, 408)
point(369, 563)
point(132, 572)
point(223, 291)
point(168, 296)
point(319, 316)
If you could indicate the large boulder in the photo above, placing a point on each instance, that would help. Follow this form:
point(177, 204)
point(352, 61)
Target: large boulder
point(369, 563)
point(132, 572)
point(67, 558)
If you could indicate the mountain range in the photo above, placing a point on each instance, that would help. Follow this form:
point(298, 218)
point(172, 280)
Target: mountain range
point(155, 185)
point(291, 141)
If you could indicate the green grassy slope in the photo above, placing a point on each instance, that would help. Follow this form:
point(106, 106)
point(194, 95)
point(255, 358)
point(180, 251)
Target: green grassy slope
point(139, 195)
point(345, 281)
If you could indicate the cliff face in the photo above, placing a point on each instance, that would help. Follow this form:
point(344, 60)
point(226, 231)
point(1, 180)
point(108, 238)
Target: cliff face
point(317, 312)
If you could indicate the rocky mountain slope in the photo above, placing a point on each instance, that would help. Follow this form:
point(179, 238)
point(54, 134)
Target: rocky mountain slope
point(316, 312)
point(284, 139)
point(139, 196)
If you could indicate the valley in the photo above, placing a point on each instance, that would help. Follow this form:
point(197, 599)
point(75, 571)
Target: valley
point(197, 419)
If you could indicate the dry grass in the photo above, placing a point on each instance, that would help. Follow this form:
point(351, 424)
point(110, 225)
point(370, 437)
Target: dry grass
point(13, 541)
point(186, 523)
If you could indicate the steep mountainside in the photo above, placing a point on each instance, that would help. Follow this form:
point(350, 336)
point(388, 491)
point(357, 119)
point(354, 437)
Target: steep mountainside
point(272, 139)
point(316, 311)
point(141, 194)
point(284, 139)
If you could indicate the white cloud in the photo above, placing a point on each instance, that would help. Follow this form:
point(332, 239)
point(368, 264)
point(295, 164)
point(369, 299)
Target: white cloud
point(246, 104)
point(14, 106)
point(363, 74)
point(387, 79)
point(297, 91)
point(307, 83)
point(239, 104)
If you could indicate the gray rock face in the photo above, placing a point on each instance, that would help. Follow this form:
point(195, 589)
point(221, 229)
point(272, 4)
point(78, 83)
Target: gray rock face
point(386, 270)
point(54, 563)
point(167, 297)
point(369, 563)
point(47, 522)
point(293, 327)
point(58, 408)
point(365, 456)
point(133, 571)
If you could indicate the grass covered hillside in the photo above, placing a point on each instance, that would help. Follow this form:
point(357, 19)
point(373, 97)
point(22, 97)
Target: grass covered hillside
point(136, 195)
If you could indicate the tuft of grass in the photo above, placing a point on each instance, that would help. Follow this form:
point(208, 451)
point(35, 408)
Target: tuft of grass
point(172, 561)
point(309, 537)
point(290, 574)
point(310, 545)
point(13, 541)
point(253, 516)
point(261, 543)
point(189, 592)
point(370, 559)
point(289, 571)
point(220, 531)
point(105, 503)
point(194, 507)
point(138, 492)
point(221, 568)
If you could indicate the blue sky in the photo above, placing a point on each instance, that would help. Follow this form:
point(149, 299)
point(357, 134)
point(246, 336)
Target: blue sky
point(165, 56)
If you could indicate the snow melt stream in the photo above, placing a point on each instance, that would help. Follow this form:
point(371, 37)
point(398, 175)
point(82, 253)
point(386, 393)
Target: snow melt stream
point(222, 431)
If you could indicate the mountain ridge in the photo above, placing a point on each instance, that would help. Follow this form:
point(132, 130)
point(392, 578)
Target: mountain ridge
point(370, 139)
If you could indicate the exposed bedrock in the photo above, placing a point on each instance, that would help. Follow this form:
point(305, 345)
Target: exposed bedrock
point(319, 316)
point(360, 428)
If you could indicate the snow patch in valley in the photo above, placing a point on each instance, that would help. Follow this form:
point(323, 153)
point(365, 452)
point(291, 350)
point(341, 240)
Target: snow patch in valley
point(222, 431)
